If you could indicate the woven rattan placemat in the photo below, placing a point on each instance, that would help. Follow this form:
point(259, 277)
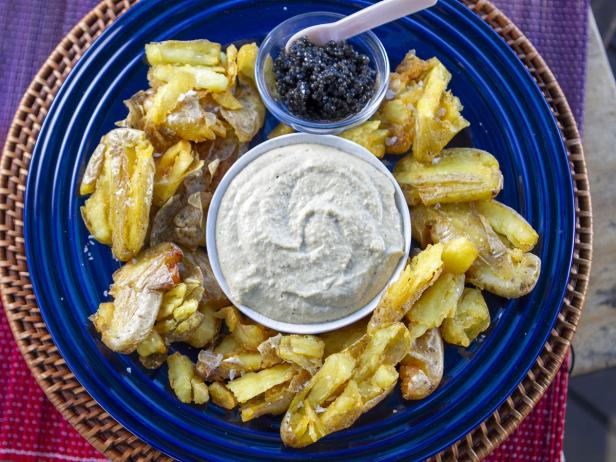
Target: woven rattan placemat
point(71, 398)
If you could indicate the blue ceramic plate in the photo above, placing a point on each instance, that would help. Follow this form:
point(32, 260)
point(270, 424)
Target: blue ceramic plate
point(509, 118)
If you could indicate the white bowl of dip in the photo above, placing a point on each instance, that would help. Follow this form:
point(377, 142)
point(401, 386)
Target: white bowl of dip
point(305, 232)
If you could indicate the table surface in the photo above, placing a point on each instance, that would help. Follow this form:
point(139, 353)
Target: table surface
point(595, 341)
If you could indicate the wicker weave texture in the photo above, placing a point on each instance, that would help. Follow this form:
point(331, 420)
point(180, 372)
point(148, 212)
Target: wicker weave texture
point(98, 427)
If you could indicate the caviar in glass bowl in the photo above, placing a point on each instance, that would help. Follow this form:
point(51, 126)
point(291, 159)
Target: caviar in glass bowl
point(328, 82)
point(321, 89)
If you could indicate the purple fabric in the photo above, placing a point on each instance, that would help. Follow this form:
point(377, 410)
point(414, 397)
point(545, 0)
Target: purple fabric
point(558, 29)
point(32, 28)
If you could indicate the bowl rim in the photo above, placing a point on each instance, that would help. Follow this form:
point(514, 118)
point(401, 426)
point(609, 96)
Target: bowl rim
point(344, 145)
point(321, 127)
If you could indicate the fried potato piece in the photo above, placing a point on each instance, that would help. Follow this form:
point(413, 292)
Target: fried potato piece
point(368, 135)
point(182, 218)
point(171, 169)
point(397, 113)
point(248, 120)
point(181, 371)
point(152, 344)
point(301, 425)
point(228, 345)
point(421, 371)
point(248, 336)
point(375, 374)
point(246, 59)
point(214, 365)
point(194, 119)
point(180, 331)
point(95, 213)
point(93, 171)
point(418, 275)
point(471, 318)
point(339, 339)
point(274, 401)
point(459, 254)
point(180, 374)
point(523, 267)
point(456, 175)
point(506, 272)
point(201, 394)
point(137, 291)
point(213, 294)
point(350, 383)
point(221, 396)
point(509, 223)
point(227, 100)
point(171, 300)
point(219, 155)
point(195, 52)
point(183, 316)
point(398, 119)
point(437, 303)
point(280, 130)
point(117, 213)
point(269, 351)
point(340, 414)
point(207, 330)
point(103, 318)
point(253, 384)
point(205, 78)
point(161, 137)
point(438, 117)
point(169, 95)
point(153, 361)
point(231, 65)
point(188, 387)
point(305, 351)
point(418, 111)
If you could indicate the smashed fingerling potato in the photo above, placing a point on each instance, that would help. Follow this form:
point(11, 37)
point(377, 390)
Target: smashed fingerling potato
point(456, 175)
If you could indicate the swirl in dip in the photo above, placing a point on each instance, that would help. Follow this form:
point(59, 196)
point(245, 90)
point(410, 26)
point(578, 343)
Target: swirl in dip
point(307, 233)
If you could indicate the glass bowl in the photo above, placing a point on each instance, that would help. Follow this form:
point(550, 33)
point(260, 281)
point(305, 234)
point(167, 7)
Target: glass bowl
point(366, 43)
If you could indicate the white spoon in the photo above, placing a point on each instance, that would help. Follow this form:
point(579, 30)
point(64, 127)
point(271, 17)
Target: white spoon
point(374, 16)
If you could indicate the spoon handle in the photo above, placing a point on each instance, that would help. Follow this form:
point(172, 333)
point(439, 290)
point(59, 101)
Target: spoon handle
point(376, 15)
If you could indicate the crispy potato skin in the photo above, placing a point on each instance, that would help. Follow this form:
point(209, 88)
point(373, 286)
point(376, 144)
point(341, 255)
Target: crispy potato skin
point(421, 370)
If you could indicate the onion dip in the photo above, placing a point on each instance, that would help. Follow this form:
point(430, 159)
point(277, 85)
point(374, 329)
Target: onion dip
point(308, 233)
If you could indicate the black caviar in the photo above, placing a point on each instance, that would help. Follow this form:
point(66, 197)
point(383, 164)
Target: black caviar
point(327, 82)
